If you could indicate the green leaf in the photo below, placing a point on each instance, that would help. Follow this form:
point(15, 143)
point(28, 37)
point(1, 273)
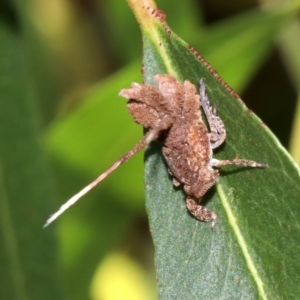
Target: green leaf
point(254, 251)
point(28, 254)
point(236, 47)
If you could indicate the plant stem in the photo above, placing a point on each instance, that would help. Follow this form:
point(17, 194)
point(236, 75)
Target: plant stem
point(142, 10)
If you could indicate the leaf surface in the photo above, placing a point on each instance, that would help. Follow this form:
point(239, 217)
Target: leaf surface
point(253, 252)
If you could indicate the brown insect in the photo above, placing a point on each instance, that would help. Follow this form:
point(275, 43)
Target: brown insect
point(171, 114)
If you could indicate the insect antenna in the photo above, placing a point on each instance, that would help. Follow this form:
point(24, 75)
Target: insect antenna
point(148, 138)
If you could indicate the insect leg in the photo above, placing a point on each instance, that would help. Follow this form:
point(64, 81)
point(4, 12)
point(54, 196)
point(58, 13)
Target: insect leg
point(240, 162)
point(216, 125)
point(200, 212)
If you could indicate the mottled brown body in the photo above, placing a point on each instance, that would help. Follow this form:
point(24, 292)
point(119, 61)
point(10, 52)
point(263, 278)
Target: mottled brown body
point(187, 145)
point(171, 113)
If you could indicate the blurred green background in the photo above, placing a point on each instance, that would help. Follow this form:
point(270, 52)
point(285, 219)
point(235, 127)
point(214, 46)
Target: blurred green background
point(62, 64)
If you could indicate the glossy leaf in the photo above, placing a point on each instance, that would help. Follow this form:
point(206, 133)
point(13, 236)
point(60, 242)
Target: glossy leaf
point(254, 251)
point(237, 46)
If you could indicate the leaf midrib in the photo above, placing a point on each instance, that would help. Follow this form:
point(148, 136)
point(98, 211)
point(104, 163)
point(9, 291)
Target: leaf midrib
point(241, 241)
